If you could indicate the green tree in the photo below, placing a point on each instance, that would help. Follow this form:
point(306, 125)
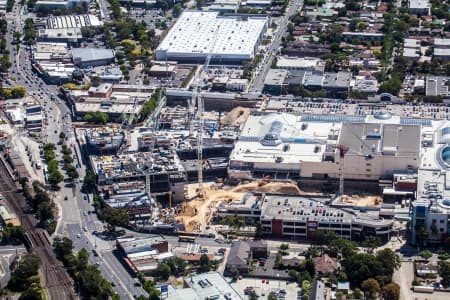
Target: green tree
point(90, 180)
point(342, 247)
point(17, 35)
point(258, 230)
point(362, 266)
point(389, 260)
point(115, 216)
point(284, 246)
point(426, 254)
point(371, 287)
point(421, 236)
point(357, 294)
point(391, 86)
point(18, 91)
point(205, 264)
point(27, 267)
point(177, 9)
point(293, 274)
point(34, 292)
point(163, 271)
point(92, 284)
point(272, 297)
point(96, 117)
point(55, 177)
point(371, 242)
point(234, 272)
point(13, 234)
point(95, 81)
point(391, 291)
point(309, 267)
point(63, 247)
point(149, 287)
point(444, 272)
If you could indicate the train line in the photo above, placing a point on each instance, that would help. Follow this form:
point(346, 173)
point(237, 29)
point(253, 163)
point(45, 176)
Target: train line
point(55, 278)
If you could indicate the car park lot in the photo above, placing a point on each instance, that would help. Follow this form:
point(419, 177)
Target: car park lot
point(285, 290)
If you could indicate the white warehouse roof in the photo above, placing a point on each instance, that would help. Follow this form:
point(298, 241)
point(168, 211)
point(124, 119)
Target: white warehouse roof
point(192, 37)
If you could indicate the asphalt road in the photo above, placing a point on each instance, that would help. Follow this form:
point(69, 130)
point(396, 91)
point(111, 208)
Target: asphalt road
point(74, 216)
point(263, 68)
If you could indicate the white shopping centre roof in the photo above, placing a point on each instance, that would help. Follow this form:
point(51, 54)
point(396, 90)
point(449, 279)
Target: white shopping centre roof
point(194, 33)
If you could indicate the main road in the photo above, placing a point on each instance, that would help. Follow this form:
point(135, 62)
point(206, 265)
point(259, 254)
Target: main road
point(257, 82)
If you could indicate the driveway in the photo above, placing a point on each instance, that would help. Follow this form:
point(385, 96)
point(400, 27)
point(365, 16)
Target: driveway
point(404, 277)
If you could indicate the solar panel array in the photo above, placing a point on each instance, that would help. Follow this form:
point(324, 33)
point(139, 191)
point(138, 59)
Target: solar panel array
point(423, 122)
point(336, 119)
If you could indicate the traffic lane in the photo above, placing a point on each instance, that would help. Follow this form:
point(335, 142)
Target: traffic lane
point(80, 242)
point(126, 278)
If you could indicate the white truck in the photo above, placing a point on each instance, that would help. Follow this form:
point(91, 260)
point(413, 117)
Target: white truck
point(423, 289)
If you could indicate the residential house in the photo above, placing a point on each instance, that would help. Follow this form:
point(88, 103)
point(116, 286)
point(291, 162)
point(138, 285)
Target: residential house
point(325, 264)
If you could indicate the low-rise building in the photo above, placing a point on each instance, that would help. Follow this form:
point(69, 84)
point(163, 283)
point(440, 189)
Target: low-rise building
point(442, 43)
point(275, 81)
point(304, 64)
point(442, 53)
point(362, 84)
point(211, 285)
point(91, 57)
point(109, 74)
point(243, 252)
point(144, 254)
point(437, 86)
point(53, 62)
point(49, 5)
point(117, 101)
point(73, 21)
point(71, 36)
point(419, 7)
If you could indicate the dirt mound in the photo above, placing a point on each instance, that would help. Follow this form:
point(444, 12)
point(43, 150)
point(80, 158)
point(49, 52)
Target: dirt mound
point(236, 116)
point(271, 187)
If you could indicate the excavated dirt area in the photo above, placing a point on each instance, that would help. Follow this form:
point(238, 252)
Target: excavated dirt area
point(237, 116)
point(197, 213)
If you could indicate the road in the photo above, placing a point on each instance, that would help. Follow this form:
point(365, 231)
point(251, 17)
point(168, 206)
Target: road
point(257, 82)
point(57, 119)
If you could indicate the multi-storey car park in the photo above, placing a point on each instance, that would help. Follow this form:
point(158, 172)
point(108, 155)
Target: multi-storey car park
point(199, 33)
point(298, 217)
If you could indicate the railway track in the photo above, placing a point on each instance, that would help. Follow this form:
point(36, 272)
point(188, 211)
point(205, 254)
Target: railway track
point(55, 278)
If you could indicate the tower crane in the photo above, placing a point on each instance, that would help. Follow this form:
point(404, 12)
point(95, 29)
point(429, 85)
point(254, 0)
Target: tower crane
point(200, 109)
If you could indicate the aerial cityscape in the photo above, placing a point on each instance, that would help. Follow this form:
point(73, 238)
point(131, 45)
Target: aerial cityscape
point(225, 149)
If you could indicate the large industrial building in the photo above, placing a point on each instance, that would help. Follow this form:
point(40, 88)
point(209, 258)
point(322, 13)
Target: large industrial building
point(228, 38)
point(288, 146)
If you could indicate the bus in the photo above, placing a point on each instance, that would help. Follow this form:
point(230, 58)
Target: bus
point(187, 239)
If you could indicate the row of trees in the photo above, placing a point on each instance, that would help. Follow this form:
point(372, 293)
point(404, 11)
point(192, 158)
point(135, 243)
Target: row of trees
point(68, 161)
point(25, 278)
point(54, 175)
point(150, 105)
point(11, 93)
point(96, 117)
point(5, 63)
point(92, 285)
point(29, 31)
point(41, 204)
